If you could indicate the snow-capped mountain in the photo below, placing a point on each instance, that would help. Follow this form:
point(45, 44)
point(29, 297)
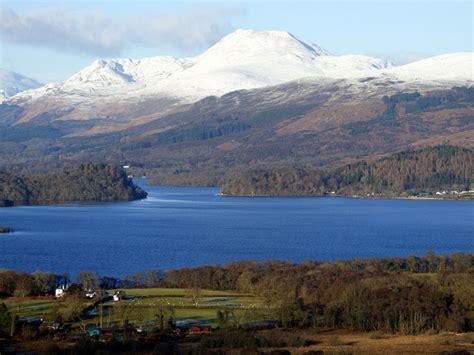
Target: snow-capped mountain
point(457, 67)
point(244, 59)
point(12, 83)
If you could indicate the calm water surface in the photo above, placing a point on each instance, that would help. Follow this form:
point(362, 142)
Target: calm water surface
point(177, 227)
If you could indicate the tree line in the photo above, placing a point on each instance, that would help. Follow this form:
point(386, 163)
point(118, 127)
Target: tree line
point(409, 172)
point(86, 182)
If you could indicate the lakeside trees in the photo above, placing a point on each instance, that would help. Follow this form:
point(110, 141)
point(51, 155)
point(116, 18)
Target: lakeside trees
point(87, 182)
point(408, 172)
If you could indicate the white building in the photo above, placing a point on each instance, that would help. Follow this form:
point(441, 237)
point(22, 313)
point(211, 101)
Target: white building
point(61, 291)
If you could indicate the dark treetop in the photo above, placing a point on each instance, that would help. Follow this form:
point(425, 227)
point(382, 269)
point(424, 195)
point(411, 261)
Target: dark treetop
point(87, 182)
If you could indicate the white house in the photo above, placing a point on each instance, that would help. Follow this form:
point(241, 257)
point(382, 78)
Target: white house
point(61, 291)
point(119, 295)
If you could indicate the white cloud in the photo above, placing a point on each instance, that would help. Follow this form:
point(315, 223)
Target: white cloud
point(69, 30)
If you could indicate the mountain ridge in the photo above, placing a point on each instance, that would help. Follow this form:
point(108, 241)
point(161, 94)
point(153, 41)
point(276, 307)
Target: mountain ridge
point(12, 83)
point(119, 90)
point(244, 59)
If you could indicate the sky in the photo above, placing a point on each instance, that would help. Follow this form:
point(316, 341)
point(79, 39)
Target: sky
point(52, 40)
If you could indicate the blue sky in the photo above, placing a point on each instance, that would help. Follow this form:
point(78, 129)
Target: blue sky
point(51, 40)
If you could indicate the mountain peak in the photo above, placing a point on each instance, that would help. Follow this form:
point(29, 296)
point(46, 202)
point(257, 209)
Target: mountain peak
point(244, 59)
point(12, 83)
point(249, 33)
point(273, 39)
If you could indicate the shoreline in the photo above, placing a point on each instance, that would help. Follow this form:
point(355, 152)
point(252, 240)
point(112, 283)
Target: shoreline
point(380, 197)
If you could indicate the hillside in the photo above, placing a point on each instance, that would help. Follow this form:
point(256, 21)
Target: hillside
point(304, 122)
point(255, 98)
point(407, 173)
point(88, 182)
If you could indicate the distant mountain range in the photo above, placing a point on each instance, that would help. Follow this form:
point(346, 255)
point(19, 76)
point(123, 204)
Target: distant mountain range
point(244, 59)
point(12, 83)
point(252, 98)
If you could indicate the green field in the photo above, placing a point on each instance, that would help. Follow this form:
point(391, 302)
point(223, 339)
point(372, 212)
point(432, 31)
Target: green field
point(143, 308)
point(179, 292)
point(30, 306)
point(143, 305)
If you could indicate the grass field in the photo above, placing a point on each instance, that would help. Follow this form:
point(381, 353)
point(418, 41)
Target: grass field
point(142, 306)
point(178, 292)
point(30, 306)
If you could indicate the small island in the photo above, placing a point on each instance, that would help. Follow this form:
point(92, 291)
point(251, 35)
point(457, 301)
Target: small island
point(6, 230)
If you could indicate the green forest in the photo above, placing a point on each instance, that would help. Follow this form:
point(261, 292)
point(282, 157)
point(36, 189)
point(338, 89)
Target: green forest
point(86, 182)
point(407, 173)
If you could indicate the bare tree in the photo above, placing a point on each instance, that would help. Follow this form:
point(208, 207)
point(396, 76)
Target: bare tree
point(121, 309)
point(23, 286)
point(164, 311)
point(45, 282)
point(89, 280)
point(153, 278)
point(195, 294)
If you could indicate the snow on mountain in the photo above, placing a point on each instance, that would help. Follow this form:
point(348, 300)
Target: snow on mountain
point(12, 83)
point(108, 78)
point(458, 67)
point(247, 59)
point(244, 59)
point(108, 75)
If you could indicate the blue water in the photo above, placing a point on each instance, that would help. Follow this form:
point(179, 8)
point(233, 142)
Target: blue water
point(178, 227)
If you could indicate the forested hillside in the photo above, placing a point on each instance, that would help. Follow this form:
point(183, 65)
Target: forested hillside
point(428, 170)
point(87, 182)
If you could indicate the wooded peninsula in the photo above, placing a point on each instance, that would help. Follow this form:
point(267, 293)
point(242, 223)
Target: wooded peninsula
point(442, 171)
point(85, 183)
